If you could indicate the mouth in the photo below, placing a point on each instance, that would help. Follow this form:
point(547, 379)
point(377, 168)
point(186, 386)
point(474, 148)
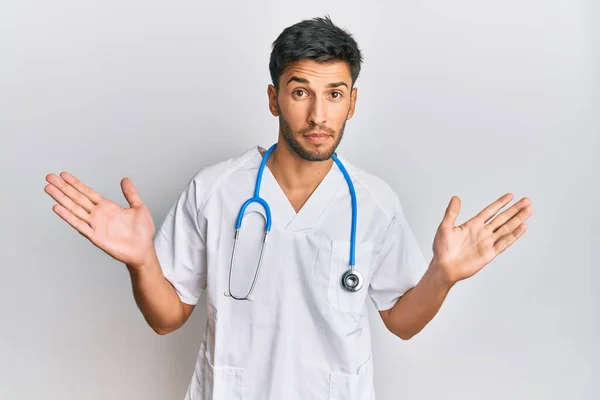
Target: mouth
point(317, 136)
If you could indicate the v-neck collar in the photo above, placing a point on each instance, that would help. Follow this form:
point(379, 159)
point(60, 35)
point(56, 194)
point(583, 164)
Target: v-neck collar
point(283, 214)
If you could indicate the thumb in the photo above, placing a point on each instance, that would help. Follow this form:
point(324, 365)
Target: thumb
point(451, 212)
point(130, 193)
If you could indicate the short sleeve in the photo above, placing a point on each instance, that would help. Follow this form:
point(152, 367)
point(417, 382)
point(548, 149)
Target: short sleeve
point(400, 264)
point(181, 248)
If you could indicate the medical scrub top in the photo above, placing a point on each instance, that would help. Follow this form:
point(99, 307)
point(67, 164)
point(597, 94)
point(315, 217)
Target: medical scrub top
point(303, 336)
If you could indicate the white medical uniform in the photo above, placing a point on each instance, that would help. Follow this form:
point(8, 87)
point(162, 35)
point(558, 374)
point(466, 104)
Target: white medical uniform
point(303, 337)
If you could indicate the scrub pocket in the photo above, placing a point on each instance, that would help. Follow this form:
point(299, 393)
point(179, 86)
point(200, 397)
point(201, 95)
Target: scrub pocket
point(221, 383)
point(357, 386)
point(340, 299)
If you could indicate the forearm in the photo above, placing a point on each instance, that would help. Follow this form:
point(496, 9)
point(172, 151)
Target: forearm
point(417, 307)
point(155, 296)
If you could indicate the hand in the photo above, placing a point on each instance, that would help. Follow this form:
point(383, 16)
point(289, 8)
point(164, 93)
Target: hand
point(462, 251)
point(123, 233)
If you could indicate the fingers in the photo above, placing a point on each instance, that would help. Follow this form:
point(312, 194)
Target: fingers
point(507, 240)
point(72, 220)
point(130, 193)
point(452, 212)
point(508, 214)
point(66, 203)
point(493, 208)
point(513, 223)
point(81, 187)
point(73, 194)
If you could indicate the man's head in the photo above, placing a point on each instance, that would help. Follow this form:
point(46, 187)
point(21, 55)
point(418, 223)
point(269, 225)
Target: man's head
point(314, 66)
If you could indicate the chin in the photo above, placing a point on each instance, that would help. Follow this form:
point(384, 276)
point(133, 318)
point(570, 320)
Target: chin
point(316, 152)
point(310, 150)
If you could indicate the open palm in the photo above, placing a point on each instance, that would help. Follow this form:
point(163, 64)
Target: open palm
point(464, 250)
point(123, 233)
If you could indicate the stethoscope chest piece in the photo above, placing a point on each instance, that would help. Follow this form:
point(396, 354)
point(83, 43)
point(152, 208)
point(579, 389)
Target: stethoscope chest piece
point(352, 280)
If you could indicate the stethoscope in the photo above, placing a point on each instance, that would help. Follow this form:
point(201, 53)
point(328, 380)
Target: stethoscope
point(351, 280)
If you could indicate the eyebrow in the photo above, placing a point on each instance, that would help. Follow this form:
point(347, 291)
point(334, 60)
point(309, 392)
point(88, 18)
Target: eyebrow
point(305, 81)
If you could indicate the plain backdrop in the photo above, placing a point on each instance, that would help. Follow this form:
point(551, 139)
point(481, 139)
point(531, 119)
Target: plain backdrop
point(464, 97)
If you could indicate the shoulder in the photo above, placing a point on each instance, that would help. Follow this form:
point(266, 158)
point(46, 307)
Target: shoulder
point(208, 179)
point(215, 173)
point(373, 187)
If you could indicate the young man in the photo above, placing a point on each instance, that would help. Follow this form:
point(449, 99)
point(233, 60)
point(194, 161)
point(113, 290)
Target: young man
point(287, 316)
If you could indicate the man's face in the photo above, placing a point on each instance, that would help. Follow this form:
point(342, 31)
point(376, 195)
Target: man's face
point(313, 104)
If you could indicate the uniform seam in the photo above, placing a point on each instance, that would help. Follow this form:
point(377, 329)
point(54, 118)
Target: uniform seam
point(220, 179)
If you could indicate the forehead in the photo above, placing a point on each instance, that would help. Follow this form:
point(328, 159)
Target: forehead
point(317, 73)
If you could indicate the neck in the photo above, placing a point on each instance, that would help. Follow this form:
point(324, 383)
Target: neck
point(295, 173)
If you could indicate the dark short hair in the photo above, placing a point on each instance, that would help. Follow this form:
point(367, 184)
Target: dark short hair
point(317, 39)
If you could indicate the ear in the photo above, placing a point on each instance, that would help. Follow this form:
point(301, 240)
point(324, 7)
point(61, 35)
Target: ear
point(353, 96)
point(272, 93)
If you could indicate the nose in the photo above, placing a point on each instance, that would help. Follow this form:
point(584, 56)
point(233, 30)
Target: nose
point(318, 112)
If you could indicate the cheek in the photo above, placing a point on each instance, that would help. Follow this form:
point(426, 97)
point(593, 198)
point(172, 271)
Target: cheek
point(340, 114)
point(295, 113)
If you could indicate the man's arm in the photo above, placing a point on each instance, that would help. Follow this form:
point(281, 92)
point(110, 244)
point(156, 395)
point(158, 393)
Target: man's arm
point(417, 307)
point(126, 234)
point(459, 252)
point(156, 297)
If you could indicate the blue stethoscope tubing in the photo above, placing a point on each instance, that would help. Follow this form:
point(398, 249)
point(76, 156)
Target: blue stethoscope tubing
point(351, 280)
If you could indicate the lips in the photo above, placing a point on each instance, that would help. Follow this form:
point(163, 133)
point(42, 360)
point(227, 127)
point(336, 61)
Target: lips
point(318, 135)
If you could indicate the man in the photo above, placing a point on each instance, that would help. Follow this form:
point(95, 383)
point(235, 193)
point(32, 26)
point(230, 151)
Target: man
point(280, 323)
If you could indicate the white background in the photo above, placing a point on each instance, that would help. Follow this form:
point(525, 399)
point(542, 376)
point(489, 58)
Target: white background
point(466, 98)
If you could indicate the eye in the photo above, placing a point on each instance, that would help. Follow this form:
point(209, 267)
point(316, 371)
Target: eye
point(299, 92)
point(336, 95)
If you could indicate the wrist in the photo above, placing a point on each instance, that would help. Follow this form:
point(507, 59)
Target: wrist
point(440, 273)
point(144, 263)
